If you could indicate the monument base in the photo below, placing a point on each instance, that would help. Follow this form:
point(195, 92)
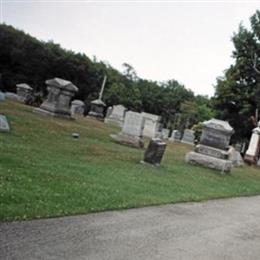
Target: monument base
point(95, 115)
point(49, 113)
point(250, 159)
point(209, 162)
point(130, 140)
point(185, 142)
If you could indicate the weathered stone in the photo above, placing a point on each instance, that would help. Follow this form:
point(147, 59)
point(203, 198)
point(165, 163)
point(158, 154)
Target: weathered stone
point(4, 125)
point(175, 136)
point(23, 91)
point(216, 133)
point(154, 152)
point(252, 153)
point(116, 115)
point(58, 101)
point(2, 96)
point(209, 153)
point(188, 137)
point(235, 157)
point(165, 133)
point(77, 108)
point(132, 130)
point(97, 108)
point(12, 96)
point(209, 162)
point(151, 124)
point(75, 135)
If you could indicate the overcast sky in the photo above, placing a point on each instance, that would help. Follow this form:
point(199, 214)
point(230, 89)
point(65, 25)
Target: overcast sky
point(186, 40)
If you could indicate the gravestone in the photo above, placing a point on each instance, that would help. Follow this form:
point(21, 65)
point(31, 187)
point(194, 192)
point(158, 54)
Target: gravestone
point(117, 115)
point(109, 111)
point(151, 124)
point(97, 106)
point(188, 137)
point(212, 151)
point(175, 136)
point(154, 152)
point(165, 133)
point(2, 96)
point(252, 153)
point(235, 157)
point(77, 108)
point(23, 91)
point(132, 130)
point(4, 125)
point(57, 104)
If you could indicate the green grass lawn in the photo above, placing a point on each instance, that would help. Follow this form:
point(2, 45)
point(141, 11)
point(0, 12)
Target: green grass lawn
point(44, 172)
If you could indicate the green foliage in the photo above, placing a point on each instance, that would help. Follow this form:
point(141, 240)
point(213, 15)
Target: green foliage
point(238, 93)
point(25, 59)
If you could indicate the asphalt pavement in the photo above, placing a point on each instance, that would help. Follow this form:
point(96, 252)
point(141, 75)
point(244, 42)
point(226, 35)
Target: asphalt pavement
point(216, 229)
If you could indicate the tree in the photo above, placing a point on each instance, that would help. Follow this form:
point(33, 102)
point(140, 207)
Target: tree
point(237, 95)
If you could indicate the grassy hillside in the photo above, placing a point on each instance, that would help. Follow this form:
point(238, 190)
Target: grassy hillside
point(44, 172)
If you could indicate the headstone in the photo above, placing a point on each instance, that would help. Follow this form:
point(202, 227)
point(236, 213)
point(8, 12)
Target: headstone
point(58, 101)
point(252, 153)
point(188, 137)
point(132, 130)
point(212, 151)
point(23, 91)
point(154, 152)
point(116, 115)
point(4, 125)
point(175, 136)
point(165, 133)
point(77, 108)
point(109, 111)
point(12, 96)
point(97, 106)
point(235, 157)
point(151, 124)
point(2, 96)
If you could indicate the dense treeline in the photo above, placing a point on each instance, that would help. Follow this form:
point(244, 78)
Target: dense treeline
point(26, 59)
point(237, 97)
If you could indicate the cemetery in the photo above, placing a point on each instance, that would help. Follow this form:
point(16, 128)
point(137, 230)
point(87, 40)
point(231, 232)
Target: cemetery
point(67, 167)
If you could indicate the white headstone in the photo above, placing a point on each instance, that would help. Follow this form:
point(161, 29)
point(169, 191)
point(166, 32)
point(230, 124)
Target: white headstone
point(188, 137)
point(133, 124)
point(116, 115)
point(77, 108)
point(175, 136)
point(151, 124)
point(4, 126)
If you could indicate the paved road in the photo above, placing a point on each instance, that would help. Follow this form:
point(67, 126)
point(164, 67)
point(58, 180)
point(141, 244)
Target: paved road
point(219, 229)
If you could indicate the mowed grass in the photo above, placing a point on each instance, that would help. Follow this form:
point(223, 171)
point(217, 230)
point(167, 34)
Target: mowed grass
point(44, 172)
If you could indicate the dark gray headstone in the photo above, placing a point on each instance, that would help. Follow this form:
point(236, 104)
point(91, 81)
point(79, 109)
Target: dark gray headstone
point(155, 151)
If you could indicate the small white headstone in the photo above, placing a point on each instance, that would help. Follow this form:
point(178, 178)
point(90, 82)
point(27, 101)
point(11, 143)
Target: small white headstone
point(151, 124)
point(4, 126)
point(133, 124)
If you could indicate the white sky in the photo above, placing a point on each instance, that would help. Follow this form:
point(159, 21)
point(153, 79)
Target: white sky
point(185, 40)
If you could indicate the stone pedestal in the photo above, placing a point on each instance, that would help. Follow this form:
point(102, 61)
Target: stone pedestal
point(58, 101)
point(213, 150)
point(23, 91)
point(154, 152)
point(132, 130)
point(116, 115)
point(77, 108)
point(97, 108)
point(252, 153)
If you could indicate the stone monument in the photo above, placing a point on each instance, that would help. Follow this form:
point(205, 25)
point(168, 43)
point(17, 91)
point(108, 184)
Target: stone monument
point(58, 101)
point(23, 91)
point(4, 125)
point(2, 96)
point(252, 153)
point(77, 108)
point(175, 136)
point(188, 137)
point(213, 149)
point(165, 134)
point(97, 106)
point(151, 124)
point(154, 152)
point(132, 130)
point(116, 115)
